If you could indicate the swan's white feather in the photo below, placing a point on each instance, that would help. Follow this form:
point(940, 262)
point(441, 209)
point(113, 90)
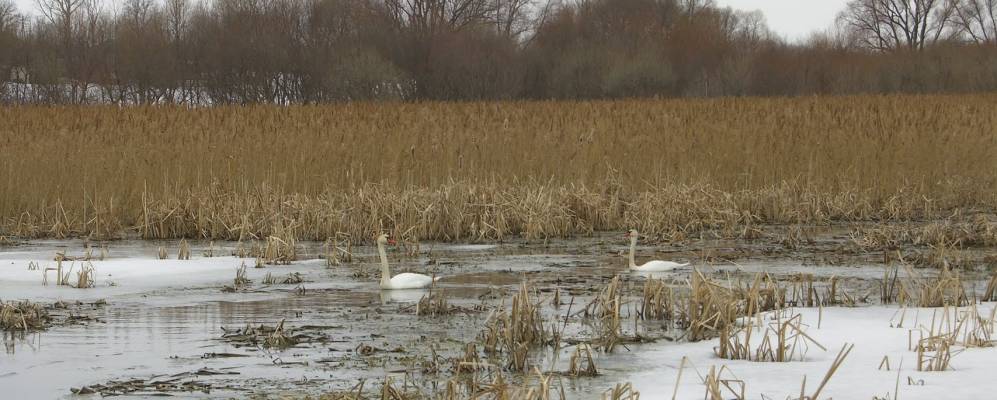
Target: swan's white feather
point(659, 266)
point(408, 280)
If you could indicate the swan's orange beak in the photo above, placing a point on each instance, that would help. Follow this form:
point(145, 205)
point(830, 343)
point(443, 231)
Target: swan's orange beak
point(392, 242)
point(626, 235)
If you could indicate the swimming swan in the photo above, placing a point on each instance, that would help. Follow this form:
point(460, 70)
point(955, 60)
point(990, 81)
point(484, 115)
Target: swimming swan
point(404, 280)
point(650, 266)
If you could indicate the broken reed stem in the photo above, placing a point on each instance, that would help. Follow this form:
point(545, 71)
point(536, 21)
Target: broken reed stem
point(838, 360)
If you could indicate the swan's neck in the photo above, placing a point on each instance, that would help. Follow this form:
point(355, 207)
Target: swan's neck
point(385, 270)
point(633, 248)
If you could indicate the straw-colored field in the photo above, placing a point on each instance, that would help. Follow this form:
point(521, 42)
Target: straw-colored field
point(493, 170)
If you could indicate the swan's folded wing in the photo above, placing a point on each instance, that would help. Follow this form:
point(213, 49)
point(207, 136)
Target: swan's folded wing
point(409, 280)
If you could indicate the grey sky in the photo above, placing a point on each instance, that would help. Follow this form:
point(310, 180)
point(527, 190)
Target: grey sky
point(793, 19)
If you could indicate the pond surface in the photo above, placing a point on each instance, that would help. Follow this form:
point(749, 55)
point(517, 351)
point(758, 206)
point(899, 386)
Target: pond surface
point(163, 319)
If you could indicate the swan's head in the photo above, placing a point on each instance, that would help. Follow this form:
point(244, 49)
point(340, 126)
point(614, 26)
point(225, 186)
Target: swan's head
point(631, 234)
point(384, 239)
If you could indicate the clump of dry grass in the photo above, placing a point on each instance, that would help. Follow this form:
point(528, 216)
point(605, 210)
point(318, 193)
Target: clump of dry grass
point(334, 253)
point(281, 247)
point(292, 278)
point(805, 291)
point(85, 278)
point(951, 331)
point(954, 232)
point(944, 290)
point(241, 280)
point(581, 362)
point(606, 309)
point(277, 339)
point(721, 383)
point(433, 304)
point(712, 306)
point(514, 332)
point(183, 252)
point(657, 301)
point(22, 316)
point(781, 341)
point(210, 251)
point(990, 293)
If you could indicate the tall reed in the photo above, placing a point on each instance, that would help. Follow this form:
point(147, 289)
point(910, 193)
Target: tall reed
point(492, 169)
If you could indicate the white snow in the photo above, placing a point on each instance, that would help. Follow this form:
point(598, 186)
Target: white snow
point(133, 276)
point(653, 369)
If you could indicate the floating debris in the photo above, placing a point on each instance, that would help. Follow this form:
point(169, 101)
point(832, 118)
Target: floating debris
point(157, 385)
point(276, 337)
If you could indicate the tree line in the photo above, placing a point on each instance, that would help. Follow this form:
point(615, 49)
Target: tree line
point(315, 51)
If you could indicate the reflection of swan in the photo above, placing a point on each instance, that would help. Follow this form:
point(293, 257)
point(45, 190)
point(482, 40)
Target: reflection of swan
point(406, 280)
point(402, 296)
point(650, 266)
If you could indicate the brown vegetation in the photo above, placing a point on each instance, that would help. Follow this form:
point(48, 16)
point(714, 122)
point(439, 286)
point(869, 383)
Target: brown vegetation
point(477, 171)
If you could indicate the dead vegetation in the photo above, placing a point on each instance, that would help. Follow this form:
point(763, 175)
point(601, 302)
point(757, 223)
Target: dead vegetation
point(581, 362)
point(183, 252)
point(162, 385)
point(460, 174)
point(942, 290)
point(721, 383)
point(292, 278)
point(784, 338)
point(281, 247)
point(241, 281)
point(513, 333)
point(434, 303)
point(990, 293)
point(275, 337)
point(23, 316)
point(951, 331)
point(26, 316)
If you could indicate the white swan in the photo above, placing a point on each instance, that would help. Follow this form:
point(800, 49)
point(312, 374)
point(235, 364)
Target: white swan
point(650, 266)
point(405, 280)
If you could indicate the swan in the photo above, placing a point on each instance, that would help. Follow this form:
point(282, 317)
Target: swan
point(650, 266)
point(404, 280)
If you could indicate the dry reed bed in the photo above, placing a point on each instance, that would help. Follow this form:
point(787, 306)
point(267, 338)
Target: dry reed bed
point(467, 170)
point(22, 316)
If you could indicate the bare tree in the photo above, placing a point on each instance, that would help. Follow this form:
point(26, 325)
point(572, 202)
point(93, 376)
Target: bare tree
point(429, 17)
point(8, 37)
point(897, 24)
point(977, 20)
point(61, 13)
point(8, 15)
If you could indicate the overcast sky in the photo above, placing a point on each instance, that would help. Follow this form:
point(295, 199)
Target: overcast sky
point(793, 19)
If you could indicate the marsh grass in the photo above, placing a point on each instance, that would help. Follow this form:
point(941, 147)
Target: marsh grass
point(944, 290)
point(581, 362)
point(495, 170)
point(22, 316)
point(657, 301)
point(183, 251)
point(513, 333)
point(86, 277)
point(434, 303)
point(781, 341)
point(990, 293)
point(241, 280)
